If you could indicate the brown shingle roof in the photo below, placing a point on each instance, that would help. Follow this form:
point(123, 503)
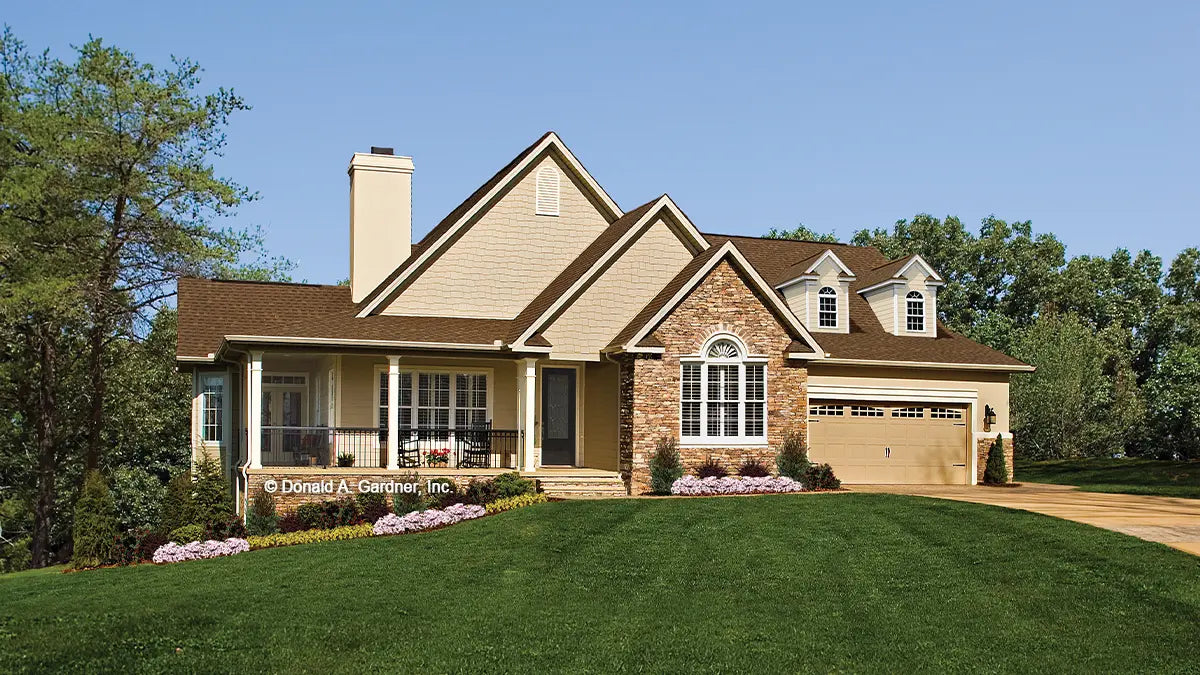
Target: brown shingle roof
point(884, 272)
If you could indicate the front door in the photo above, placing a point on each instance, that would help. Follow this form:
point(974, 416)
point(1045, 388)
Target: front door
point(558, 416)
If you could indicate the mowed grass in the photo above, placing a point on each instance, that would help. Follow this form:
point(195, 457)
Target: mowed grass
point(854, 582)
point(1103, 474)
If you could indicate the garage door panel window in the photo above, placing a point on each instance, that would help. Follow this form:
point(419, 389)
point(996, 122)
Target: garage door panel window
point(723, 397)
point(912, 413)
point(865, 411)
point(946, 413)
point(826, 410)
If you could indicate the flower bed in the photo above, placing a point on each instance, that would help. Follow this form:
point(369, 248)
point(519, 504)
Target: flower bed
point(731, 485)
point(310, 536)
point(198, 550)
point(509, 503)
point(425, 520)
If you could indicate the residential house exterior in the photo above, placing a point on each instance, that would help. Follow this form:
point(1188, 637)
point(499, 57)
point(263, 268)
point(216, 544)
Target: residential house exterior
point(540, 327)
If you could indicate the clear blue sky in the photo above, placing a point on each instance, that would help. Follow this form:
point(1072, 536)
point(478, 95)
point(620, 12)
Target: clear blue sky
point(1082, 117)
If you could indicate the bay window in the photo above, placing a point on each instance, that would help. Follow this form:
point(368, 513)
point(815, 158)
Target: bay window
point(723, 396)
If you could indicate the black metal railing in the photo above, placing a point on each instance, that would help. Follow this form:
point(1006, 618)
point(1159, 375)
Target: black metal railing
point(473, 448)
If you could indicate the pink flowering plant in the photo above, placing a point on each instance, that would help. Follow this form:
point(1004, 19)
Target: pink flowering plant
point(425, 520)
point(199, 550)
point(734, 485)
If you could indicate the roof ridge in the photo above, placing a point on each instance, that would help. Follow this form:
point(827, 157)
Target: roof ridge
point(802, 241)
point(261, 282)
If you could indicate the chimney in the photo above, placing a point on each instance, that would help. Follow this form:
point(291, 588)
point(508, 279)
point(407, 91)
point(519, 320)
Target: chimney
point(380, 217)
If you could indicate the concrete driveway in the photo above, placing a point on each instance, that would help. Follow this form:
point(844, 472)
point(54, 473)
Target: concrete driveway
point(1168, 520)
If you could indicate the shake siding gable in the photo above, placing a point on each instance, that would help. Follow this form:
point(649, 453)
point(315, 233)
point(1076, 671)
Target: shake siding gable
point(506, 257)
point(612, 300)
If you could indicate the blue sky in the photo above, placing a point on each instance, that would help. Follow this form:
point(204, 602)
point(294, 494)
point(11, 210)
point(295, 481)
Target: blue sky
point(1082, 117)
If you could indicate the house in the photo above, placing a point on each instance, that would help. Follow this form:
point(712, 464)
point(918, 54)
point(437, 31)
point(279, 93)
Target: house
point(542, 327)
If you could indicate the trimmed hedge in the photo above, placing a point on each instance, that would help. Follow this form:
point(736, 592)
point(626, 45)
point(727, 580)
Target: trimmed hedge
point(309, 536)
point(509, 503)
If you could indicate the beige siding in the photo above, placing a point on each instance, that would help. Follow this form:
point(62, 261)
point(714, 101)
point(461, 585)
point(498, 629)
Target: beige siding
point(507, 257)
point(883, 303)
point(804, 298)
point(600, 445)
point(591, 322)
point(917, 283)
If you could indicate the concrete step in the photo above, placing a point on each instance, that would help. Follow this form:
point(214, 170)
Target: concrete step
point(583, 486)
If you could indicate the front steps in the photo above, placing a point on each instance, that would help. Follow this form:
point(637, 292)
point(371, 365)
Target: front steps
point(581, 484)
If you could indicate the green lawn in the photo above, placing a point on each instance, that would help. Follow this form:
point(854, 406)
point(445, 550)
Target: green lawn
point(855, 582)
point(1132, 476)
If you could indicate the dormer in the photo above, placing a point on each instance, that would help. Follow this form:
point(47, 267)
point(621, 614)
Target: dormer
point(903, 295)
point(818, 291)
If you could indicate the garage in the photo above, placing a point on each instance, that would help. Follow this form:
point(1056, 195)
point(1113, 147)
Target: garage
point(917, 443)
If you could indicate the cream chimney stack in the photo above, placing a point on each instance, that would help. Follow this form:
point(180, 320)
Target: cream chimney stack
point(380, 217)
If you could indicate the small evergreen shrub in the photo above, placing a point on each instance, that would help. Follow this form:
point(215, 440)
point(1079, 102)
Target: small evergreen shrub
point(211, 499)
point(512, 485)
point(480, 492)
point(792, 460)
point(711, 468)
point(182, 535)
point(753, 468)
point(407, 500)
point(177, 509)
point(372, 506)
point(516, 502)
point(312, 514)
point(95, 533)
point(220, 530)
point(820, 477)
point(442, 497)
point(995, 472)
point(262, 519)
point(341, 512)
point(665, 466)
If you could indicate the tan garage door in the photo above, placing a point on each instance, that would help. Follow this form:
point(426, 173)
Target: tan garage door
point(890, 442)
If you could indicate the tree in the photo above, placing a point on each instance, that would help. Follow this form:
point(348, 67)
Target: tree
point(1173, 395)
point(802, 233)
point(211, 500)
point(95, 524)
point(995, 472)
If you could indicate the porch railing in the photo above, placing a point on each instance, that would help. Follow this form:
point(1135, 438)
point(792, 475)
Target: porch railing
point(475, 448)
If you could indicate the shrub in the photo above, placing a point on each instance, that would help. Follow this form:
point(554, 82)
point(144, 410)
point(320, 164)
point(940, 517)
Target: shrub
point(145, 543)
point(711, 468)
point(182, 535)
point(291, 522)
point(177, 508)
point(372, 506)
point(138, 495)
point(406, 500)
point(729, 485)
point(480, 492)
point(231, 527)
point(753, 468)
point(445, 496)
point(310, 536)
point(341, 512)
point(211, 500)
point(792, 460)
point(512, 485)
point(262, 519)
point(820, 477)
point(18, 556)
point(665, 466)
point(425, 520)
point(312, 514)
point(197, 550)
point(345, 459)
point(509, 503)
point(995, 472)
point(95, 532)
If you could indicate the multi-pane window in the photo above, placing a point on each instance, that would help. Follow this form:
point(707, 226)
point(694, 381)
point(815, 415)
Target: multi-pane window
point(865, 411)
point(908, 412)
point(212, 405)
point(433, 400)
point(827, 314)
point(915, 316)
point(723, 398)
point(826, 410)
point(945, 413)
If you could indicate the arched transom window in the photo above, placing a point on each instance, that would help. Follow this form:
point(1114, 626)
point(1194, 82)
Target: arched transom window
point(827, 314)
point(915, 316)
point(723, 395)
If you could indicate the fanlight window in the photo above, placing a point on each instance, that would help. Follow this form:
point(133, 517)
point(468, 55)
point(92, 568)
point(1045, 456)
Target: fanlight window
point(915, 317)
point(723, 349)
point(827, 315)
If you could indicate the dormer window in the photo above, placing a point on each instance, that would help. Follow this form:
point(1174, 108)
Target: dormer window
point(915, 316)
point(827, 314)
point(547, 198)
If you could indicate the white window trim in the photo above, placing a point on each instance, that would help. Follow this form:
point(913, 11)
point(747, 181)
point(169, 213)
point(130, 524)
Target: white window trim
point(741, 440)
point(201, 398)
point(837, 319)
point(924, 313)
point(414, 371)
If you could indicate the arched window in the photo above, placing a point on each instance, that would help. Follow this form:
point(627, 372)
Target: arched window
point(827, 314)
point(916, 312)
point(723, 395)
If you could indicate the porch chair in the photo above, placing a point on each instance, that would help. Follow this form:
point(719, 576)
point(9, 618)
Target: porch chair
point(474, 446)
point(408, 449)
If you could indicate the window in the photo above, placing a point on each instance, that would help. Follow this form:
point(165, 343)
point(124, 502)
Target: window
point(438, 399)
point(547, 199)
point(284, 379)
point(865, 411)
point(826, 410)
point(212, 406)
point(723, 396)
point(827, 314)
point(945, 414)
point(916, 312)
point(908, 412)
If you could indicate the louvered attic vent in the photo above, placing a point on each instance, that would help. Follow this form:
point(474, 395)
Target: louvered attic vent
point(547, 191)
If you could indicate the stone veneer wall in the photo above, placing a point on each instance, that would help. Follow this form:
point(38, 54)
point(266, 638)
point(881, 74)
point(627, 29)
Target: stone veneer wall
point(650, 387)
point(983, 445)
point(289, 501)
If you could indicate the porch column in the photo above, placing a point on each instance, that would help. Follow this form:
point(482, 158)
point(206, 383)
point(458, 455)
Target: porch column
point(254, 409)
point(393, 412)
point(528, 406)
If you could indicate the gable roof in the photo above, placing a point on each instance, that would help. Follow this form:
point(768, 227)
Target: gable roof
point(611, 243)
point(894, 270)
point(432, 244)
point(636, 336)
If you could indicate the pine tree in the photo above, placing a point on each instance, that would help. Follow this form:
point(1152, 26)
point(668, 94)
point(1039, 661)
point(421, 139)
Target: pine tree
point(95, 531)
point(211, 500)
point(996, 471)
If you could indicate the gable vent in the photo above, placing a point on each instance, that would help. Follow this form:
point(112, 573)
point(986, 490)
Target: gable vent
point(547, 191)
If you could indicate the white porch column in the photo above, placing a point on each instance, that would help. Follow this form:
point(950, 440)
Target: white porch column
point(528, 406)
point(393, 412)
point(254, 409)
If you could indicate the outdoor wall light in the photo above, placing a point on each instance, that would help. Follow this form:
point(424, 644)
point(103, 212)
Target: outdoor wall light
point(989, 417)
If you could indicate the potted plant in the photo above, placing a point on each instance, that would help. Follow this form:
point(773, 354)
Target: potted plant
point(345, 459)
point(438, 457)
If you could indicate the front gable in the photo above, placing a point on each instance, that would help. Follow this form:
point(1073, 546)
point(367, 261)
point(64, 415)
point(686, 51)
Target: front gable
point(510, 252)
